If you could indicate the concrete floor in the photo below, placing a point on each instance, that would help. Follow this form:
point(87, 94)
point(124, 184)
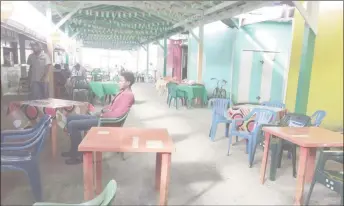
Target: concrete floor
point(201, 172)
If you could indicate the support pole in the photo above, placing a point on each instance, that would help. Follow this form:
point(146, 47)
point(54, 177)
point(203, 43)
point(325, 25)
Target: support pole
point(165, 56)
point(147, 58)
point(305, 72)
point(137, 59)
point(50, 53)
point(200, 54)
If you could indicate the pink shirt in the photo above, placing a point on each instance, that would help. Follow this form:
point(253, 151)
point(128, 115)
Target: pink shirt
point(120, 105)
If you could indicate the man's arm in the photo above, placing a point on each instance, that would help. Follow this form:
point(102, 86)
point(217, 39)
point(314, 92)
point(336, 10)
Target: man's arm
point(127, 100)
point(29, 75)
point(47, 67)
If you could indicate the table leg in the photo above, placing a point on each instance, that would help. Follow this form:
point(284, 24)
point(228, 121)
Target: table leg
point(88, 175)
point(310, 164)
point(301, 173)
point(98, 180)
point(165, 177)
point(53, 137)
point(157, 171)
point(265, 158)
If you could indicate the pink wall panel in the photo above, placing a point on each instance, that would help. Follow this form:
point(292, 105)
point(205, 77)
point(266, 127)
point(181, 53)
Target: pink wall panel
point(174, 58)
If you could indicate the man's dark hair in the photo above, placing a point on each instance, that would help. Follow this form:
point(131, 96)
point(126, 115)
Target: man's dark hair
point(128, 76)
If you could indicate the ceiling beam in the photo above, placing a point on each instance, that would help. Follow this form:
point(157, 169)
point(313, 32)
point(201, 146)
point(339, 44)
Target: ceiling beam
point(309, 15)
point(138, 5)
point(68, 16)
point(234, 11)
point(206, 12)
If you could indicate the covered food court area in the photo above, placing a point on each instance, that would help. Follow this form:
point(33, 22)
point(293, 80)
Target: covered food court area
point(221, 106)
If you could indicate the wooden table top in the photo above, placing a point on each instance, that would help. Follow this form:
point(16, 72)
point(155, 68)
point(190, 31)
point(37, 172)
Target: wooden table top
point(308, 136)
point(126, 139)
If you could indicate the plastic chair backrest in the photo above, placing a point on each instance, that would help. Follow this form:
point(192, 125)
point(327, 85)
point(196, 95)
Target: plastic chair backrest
point(318, 117)
point(34, 144)
point(220, 106)
point(295, 120)
point(80, 82)
point(171, 88)
point(262, 116)
point(22, 134)
point(112, 122)
point(274, 104)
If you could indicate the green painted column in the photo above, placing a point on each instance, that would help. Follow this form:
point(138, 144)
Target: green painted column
point(165, 57)
point(305, 72)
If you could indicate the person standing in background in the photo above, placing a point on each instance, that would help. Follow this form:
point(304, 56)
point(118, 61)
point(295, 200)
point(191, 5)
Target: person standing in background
point(38, 73)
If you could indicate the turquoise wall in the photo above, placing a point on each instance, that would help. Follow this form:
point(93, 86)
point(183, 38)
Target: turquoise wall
point(220, 42)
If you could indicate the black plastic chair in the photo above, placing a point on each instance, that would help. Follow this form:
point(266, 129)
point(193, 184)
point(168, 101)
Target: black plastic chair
point(277, 147)
point(80, 84)
point(329, 178)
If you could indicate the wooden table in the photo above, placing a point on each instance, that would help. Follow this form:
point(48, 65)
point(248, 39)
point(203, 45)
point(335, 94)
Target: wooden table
point(28, 113)
point(309, 139)
point(120, 139)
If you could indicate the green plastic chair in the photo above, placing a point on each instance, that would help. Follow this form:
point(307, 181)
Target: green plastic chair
point(113, 122)
point(105, 198)
point(329, 178)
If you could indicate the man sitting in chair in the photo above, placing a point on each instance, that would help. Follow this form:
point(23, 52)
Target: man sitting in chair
point(119, 106)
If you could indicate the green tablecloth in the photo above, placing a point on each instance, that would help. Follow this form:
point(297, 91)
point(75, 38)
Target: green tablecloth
point(100, 89)
point(194, 91)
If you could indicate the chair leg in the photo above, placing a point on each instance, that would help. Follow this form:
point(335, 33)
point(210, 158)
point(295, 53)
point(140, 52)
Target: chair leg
point(229, 143)
point(213, 131)
point(293, 156)
point(227, 129)
point(247, 146)
point(279, 153)
point(254, 148)
point(169, 102)
point(274, 161)
point(122, 155)
point(310, 192)
point(250, 152)
point(236, 139)
point(176, 102)
point(35, 181)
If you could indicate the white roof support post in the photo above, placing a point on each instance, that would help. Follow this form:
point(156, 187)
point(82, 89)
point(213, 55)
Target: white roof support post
point(200, 54)
point(68, 16)
point(147, 59)
point(310, 15)
point(194, 35)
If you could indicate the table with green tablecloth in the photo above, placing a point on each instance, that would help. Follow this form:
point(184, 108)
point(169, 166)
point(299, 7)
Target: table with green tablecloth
point(101, 89)
point(194, 91)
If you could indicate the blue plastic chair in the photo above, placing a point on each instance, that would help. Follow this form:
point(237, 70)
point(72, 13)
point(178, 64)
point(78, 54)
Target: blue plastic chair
point(318, 117)
point(274, 104)
point(220, 107)
point(262, 116)
point(25, 133)
point(24, 156)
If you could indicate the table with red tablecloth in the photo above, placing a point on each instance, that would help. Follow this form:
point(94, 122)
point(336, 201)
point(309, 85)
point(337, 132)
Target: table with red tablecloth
point(25, 114)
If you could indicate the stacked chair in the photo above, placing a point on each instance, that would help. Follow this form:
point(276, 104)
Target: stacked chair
point(20, 150)
point(80, 84)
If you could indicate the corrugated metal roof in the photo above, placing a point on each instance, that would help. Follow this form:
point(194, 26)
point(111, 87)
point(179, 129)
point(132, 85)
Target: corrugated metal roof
point(128, 24)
